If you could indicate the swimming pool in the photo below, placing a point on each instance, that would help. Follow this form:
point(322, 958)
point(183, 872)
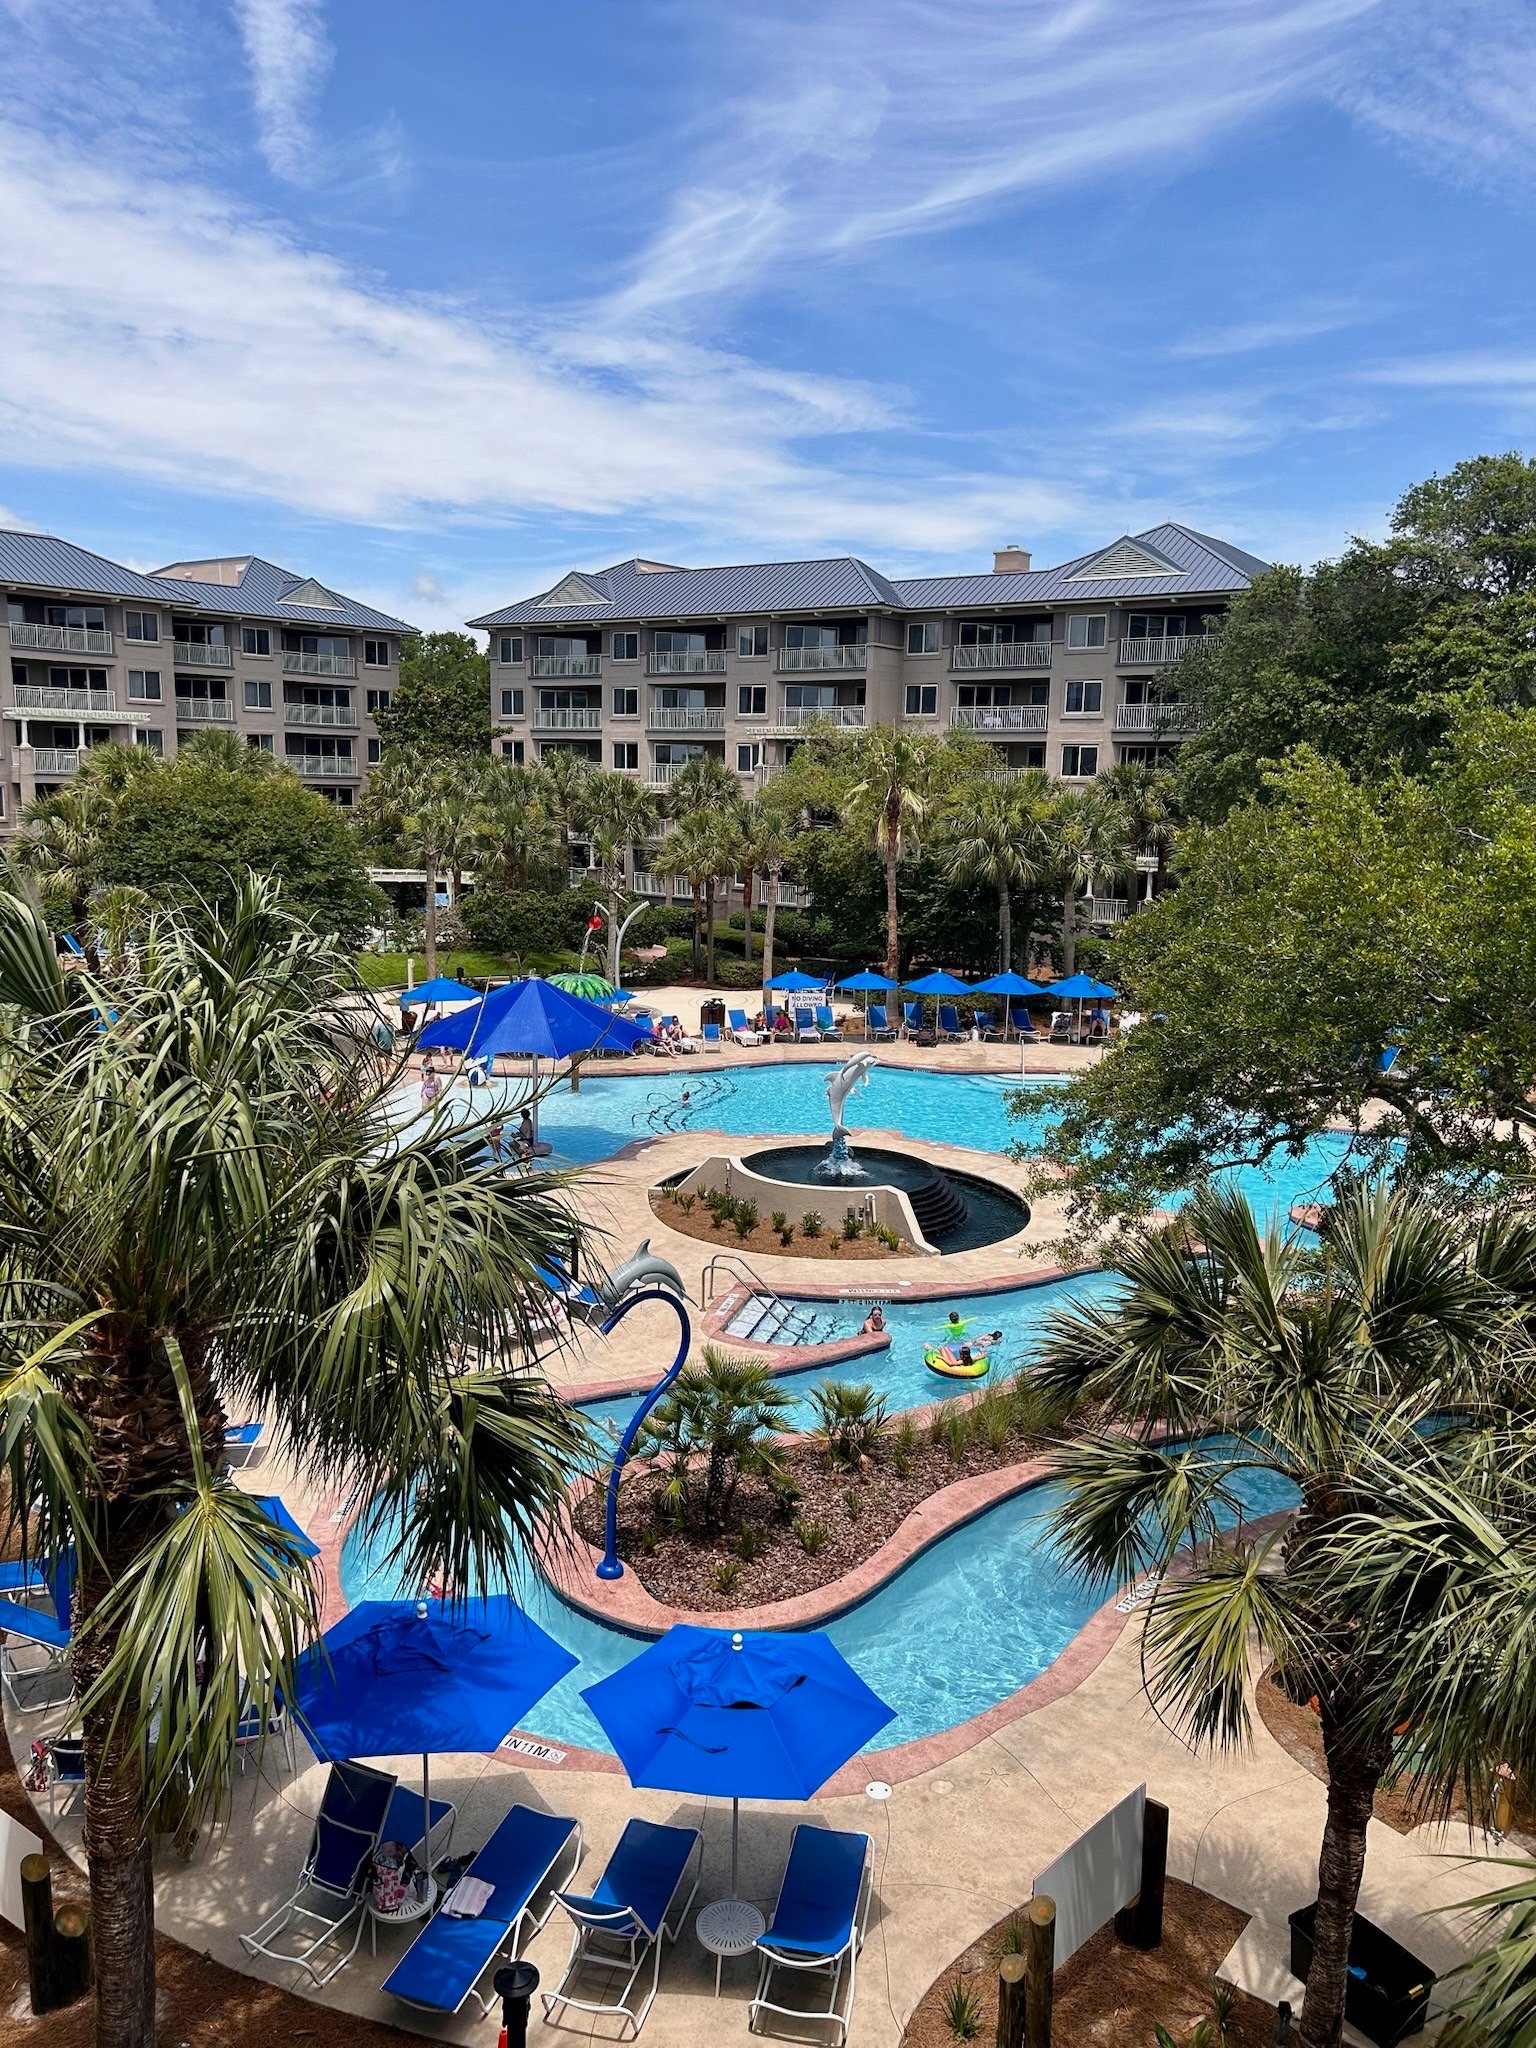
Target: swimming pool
point(966, 1624)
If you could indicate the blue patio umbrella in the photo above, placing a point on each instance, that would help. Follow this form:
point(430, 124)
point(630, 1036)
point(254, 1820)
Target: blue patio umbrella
point(939, 984)
point(793, 982)
point(1081, 988)
point(1012, 987)
point(397, 1677)
point(536, 1020)
point(439, 990)
point(746, 1715)
point(868, 981)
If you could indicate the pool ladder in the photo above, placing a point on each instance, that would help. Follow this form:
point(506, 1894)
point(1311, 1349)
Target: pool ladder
point(764, 1317)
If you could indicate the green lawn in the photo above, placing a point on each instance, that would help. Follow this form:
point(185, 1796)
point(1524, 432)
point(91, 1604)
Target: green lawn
point(387, 970)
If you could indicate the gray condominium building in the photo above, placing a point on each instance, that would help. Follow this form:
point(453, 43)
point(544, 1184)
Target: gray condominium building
point(98, 652)
point(1071, 669)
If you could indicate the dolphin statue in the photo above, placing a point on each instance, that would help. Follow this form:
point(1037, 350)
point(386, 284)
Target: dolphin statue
point(643, 1268)
point(841, 1083)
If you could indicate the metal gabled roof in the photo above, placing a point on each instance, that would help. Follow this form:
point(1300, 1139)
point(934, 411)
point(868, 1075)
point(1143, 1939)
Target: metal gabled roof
point(1201, 567)
point(255, 588)
point(631, 590)
point(41, 561)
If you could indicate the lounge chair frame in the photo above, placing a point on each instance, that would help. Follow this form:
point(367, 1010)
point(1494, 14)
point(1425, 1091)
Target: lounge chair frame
point(347, 1904)
point(620, 1939)
point(24, 1629)
point(839, 2006)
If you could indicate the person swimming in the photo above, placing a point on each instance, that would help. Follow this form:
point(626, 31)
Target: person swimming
point(874, 1322)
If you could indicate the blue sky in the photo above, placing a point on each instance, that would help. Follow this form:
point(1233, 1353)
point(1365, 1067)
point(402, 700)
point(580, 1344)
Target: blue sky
point(437, 301)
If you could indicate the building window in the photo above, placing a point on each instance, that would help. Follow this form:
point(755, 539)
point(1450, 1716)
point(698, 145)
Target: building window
point(144, 685)
point(626, 646)
point(752, 642)
point(510, 647)
point(258, 696)
point(141, 625)
point(261, 741)
point(626, 703)
point(150, 738)
point(626, 753)
point(1079, 764)
point(1085, 696)
point(1086, 629)
point(375, 753)
point(377, 700)
point(375, 654)
point(752, 700)
point(923, 636)
point(749, 758)
point(255, 640)
point(922, 700)
point(511, 703)
point(513, 749)
point(1031, 756)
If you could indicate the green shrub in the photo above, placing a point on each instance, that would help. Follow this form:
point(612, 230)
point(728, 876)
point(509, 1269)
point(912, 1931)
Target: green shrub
point(787, 1235)
point(1012, 1938)
point(955, 1433)
point(962, 2011)
point(726, 1576)
point(812, 1537)
point(745, 1219)
point(778, 1219)
point(850, 1421)
point(853, 1224)
point(810, 1223)
point(904, 1448)
point(517, 923)
point(891, 1239)
point(752, 1543)
point(719, 1423)
point(853, 1504)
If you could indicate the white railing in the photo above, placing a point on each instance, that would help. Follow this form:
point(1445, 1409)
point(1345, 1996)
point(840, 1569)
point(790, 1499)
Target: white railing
point(567, 718)
point(1108, 909)
point(1001, 717)
point(1171, 718)
point(822, 657)
point(202, 654)
point(1162, 649)
point(55, 760)
point(790, 897)
point(322, 764)
point(1002, 654)
point(295, 664)
point(660, 773)
point(319, 714)
point(646, 884)
point(62, 639)
point(567, 664)
point(74, 703)
point(205, 711)
point(837, 714)
point(707, 663)
point(685, 718)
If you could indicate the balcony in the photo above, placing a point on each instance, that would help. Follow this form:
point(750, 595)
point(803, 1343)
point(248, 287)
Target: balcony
point(793, 716)
point(54, 761)
point(791, 659)
point(1158, 718)
point(62, 639)
point(204, 711)
point(202, 654)
point(1104, 910)
point(1003, 654)
point(710, 663)
point(996, 718)
point(567, 718)
point(318, 664)
point(685, 718)
point(790, 897)
point(324, 767)
point(644, 884)
point(319, 714)
point(71, 703)
point(1154, 653)
point(567, 665)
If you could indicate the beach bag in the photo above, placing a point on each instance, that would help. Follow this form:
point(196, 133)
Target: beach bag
point(390, 1881)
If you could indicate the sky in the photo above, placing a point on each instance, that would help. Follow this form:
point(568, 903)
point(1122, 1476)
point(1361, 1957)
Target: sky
point(436, 302)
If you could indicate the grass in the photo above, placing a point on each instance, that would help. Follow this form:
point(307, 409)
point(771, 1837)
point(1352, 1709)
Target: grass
point(387, 970)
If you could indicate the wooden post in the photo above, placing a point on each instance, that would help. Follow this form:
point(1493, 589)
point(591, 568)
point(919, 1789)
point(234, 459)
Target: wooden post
point(1140, 1924)
point(1010, 2002)
point(1039, 1972)
point(37, 1920)
point(72, 1952)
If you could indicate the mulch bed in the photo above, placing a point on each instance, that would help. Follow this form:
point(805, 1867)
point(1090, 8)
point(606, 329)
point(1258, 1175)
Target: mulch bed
point(858, 1511)
point(831, 1244)
point(1108, 1996)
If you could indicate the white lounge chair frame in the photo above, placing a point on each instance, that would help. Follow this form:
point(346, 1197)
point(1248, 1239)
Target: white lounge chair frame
point(328, 1926)
point(839, 1999)
point(601, 1941)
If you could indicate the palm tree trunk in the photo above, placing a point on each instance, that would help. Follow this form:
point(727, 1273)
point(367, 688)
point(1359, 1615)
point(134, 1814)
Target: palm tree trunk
point(429, 928)
point(1352, 1782)
point(709, 927)
point(746, 915)
point(117, 1848)
point(1069, 928)
point(694, 887)
point(770, 912)
point(1005, 924)
point(892, 926)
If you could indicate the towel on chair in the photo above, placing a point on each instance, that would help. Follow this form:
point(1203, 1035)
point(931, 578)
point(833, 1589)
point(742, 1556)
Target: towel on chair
point(468, 1899)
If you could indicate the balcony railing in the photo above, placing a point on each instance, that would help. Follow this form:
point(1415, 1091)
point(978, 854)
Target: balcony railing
point(1000, 717)
point(1108, 909)
point(685, 718)
point(586, 878)
point(645, 884)
point(205, 711)
point(567, 664)
point(567, 718)
point(73, 703)
point(1161, 718)
point(822, 657)
point(1002, 654)
point(1151, 653)
point(62, 639)
point(318, 664)
point(709, 663)
point(838, 714)
point(202, 654)
point(790, 897)
point(319, 714)
point(323, 765)
point(54, 761)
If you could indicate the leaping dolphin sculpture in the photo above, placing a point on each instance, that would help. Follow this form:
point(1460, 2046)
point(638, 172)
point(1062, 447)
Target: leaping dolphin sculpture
point(643, 1268)
point(841, 1083)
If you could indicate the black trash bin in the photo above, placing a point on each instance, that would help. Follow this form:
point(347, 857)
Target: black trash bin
point(712, 1012)
point(1387, 1996)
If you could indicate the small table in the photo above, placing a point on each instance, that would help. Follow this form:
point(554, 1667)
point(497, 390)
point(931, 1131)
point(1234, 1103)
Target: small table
point(729, 1927)
point(410, 1908)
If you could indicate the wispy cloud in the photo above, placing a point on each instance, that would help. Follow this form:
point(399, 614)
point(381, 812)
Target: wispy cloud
point(289, 55)
point(1499, 370)
point(1276, 331)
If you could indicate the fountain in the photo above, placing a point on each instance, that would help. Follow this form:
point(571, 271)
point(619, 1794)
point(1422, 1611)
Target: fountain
point(840, 1164)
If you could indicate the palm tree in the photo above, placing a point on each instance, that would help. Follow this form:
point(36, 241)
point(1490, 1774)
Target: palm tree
point(700, 848)
point(766, 841)
point(889, 802)
point(60, 846)
point(227, 750)
point(1087, 842)
point(206, 1210)
point(619, 815)
point(1147, 800)
point(991, 836)
point(563, 776)
point(428, 802)
point(515, 838)
point(727, 1411)
point(703, 783)
point(1320, 1367)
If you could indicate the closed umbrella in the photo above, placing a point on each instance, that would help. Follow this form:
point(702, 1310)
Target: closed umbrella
point(746, 1715)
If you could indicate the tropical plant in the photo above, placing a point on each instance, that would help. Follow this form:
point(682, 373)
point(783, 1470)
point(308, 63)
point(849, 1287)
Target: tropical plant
point(563, 775)
point(1087, 842)
point(618, 814)
point(516, 841)
point(206, 1212)
point(889, 803)
point(1320, 1365)
point(962, 2010)
point(812, 1536)
point(723, 1414)
point(430, 802)
point(442, 704)
point(810, 1223)
point(765, 840)
point(992, 834)
point(850, 1422)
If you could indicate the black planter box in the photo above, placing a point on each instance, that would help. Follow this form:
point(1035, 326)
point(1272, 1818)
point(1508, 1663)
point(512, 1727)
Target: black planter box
point(1388, 1990)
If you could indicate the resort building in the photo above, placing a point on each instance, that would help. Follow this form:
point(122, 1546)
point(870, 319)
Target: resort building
point(99, 652)
point(1071, 669)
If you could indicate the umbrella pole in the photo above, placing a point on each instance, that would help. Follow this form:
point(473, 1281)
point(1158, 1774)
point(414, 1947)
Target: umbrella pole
point(735, 1840)
point(426, 1808)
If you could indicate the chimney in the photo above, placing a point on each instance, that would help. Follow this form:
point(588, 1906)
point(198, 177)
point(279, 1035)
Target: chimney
point(1011, 560)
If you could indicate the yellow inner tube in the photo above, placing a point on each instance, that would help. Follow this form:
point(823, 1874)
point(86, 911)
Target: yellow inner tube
point(945, 1359)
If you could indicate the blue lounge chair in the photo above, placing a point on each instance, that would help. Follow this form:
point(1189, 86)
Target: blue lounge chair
point(631, 1910)
point(805, 1026)
point(818, 1923)
point(333, 1884)
point(443, 1966)
point(240, 1441)
point(41, 1633)
point(741, 1030)
point(911, 1018)
point(408, 1821)
point(949, 1022)
point(64, 1767)
point(711, 1034)
point(875, 1025)
point(825, 1022)
point(1019, 1017)
point(21, 1579)
point(986, 1024)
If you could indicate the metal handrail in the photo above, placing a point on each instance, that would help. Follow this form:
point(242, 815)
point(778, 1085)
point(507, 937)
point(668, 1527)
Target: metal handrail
point(738, 1267)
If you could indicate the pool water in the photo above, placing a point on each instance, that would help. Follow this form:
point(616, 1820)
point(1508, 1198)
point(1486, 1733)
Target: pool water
point(985, 1610)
